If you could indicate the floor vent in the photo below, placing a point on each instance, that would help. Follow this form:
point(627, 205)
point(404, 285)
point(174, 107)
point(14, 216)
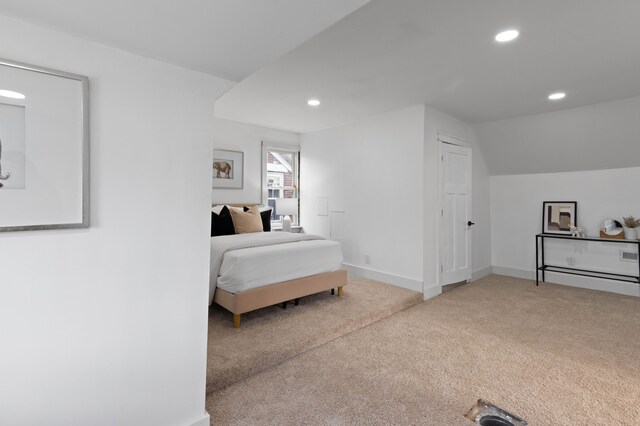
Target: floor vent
point(491, 420)
point(485, 413)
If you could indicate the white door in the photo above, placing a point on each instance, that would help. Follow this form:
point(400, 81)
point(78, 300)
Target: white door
point(455, 219)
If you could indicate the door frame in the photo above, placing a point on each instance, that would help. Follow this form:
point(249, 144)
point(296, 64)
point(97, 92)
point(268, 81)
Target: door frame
point(443, 138)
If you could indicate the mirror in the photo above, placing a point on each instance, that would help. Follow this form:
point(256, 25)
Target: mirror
point(611, 228)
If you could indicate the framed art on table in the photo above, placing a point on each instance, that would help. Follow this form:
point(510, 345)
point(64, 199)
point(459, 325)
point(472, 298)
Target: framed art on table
point(44, 148)
point(228, 169)
point(558, 217)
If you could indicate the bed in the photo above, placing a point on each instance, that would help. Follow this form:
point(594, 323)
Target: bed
point(254, 270)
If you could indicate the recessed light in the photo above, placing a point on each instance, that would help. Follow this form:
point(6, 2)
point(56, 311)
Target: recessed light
point(11, 94)
point(507, 35)
point(313, 102)
point(557, 96)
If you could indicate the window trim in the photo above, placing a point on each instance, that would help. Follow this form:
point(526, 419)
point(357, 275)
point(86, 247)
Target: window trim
point(269, 146)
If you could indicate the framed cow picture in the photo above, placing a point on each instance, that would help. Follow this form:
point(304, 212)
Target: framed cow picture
point(228, 169)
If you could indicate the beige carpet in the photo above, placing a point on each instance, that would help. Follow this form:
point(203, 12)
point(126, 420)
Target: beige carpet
point(269, 336)
point(553, 355)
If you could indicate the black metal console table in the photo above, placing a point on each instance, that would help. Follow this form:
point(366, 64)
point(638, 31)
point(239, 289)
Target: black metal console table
point(583, 272)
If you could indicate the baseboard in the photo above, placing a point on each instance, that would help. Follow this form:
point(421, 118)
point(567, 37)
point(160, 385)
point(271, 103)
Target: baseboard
point(513, 272)
point(433, 291)
point(385, 277)
point(436, 290)
point(481, 273)
point(628, 289)
point(203, 421)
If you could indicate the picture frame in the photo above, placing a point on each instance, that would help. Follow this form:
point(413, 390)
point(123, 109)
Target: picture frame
point(228, 169)
point(44, 148)
point(559, 216)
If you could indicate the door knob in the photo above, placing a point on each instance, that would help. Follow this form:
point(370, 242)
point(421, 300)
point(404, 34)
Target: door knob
point(470, 223)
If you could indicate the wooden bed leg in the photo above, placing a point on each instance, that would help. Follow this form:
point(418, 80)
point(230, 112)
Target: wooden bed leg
point(236, 320)
point(284, 305)
point(333, 291)
point(340, 292)
point(295, 302)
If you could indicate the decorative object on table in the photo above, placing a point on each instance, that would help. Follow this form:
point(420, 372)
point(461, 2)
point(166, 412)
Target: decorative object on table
point(228, 169)
point(611, 228)
point(286, 207)
point(559, 216)
point(630, 225)
point(578, 231)
point(44, 148)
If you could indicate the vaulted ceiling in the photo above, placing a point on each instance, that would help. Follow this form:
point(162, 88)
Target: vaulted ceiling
point(394, 53)
point(226, 38)
point(361, 58)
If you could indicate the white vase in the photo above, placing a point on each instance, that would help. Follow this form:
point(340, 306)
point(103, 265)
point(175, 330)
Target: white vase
point(630, 233)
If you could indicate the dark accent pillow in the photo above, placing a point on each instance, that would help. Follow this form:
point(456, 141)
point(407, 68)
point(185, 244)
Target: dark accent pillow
point(266, 219)
point(222, 224)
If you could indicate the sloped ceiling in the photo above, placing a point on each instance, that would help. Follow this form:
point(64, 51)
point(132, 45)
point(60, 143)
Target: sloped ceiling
point(593, 137)
point(226, 38)
point(389, 54)
point(395, 53)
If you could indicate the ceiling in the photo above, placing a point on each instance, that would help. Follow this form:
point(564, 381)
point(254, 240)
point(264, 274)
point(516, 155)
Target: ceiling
point(388, 54)
point(394, 53)
point(226, 38)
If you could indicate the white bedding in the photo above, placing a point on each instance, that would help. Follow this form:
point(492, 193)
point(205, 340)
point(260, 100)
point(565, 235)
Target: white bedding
point(245, 261)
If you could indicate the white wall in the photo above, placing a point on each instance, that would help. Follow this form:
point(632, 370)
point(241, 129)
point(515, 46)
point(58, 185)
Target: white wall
point(236, 136)
point(107, 325)
point(383, 173)
point(438, 122)
point(516, 216)
point(587, 154)
point(594, 137)
point(372, 171)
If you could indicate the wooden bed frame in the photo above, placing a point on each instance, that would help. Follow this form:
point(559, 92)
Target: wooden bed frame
point(261, 297)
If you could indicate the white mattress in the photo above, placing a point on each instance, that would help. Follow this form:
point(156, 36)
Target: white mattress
point(252, 267)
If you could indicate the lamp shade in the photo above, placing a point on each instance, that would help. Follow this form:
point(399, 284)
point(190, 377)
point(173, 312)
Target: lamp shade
point(286, 206)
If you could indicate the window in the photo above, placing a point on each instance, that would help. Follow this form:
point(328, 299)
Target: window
point(275, 183)
point(280, 176)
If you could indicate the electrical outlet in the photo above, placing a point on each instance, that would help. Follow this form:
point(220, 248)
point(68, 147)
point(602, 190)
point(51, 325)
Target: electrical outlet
point(571, 261)
point(628, 256)
point(367, 259)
